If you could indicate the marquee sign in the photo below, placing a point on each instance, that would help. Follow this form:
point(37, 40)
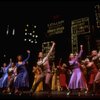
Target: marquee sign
point(55, 27)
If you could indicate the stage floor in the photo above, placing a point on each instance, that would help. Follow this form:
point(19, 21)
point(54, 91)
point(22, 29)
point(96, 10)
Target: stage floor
point(51, 95)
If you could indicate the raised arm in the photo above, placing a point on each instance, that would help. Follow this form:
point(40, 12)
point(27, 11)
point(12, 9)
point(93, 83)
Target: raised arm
point(28, 56)
point(80, 53)
point(9, 64)
point(78, 56)
point(49, 52)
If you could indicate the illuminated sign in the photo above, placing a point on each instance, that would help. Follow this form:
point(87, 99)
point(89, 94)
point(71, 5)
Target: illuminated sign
point(81, 26)
point(55, 27)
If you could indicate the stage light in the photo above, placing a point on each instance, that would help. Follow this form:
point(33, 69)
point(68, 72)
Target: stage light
point(25, 39)
point(35, 41)
point(25, 29)
point(30, 33)
point(33, 31)
point(29, 40)
point(7, 32)
point(25, 33)
point(13, 33)
point(35, 26)
point(4, 55)
point(7, 29)
point(36, 36)
point(27, 25)
point(33, 36)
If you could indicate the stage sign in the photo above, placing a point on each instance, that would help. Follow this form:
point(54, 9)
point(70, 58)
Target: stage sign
point(97, 14)
point(98, 44)
point(56, 27)
point(81, 26)
point(78, 27)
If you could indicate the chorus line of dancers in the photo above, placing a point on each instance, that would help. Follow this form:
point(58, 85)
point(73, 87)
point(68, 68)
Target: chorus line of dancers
point(78, 75)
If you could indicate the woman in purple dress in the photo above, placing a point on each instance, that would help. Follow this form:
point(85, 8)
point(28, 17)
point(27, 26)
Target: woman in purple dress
point(3, 79)
point(77, 80)
point(22, 80)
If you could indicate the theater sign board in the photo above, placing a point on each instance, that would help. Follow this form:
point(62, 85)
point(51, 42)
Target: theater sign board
point(55, 27)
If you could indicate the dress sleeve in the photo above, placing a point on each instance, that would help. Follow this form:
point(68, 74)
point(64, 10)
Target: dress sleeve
point(27, 57)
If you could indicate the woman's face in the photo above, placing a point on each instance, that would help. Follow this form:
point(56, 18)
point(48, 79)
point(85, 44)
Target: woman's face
point(4, 65)
point(13, 64)
point(87, 61)
point(76, 54)
point(19, 58)
point(71, 56)
point(40, 55)
point(64, 65)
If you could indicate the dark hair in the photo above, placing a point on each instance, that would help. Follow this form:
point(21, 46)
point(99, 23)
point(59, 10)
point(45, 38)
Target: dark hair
point(20, 56)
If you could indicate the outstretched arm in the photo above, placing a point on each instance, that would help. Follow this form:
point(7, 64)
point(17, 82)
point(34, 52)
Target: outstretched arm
point(9, 64)
point(80, 53)
point(28, 56)
point(78, 56)
point(49, 52)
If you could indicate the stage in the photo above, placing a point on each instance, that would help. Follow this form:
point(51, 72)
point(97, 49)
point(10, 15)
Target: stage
point(50, 95)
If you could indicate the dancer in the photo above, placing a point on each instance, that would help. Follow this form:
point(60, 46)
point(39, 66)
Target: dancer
point(96, 59)
point(37, 71)
point(77, 80)
point(54, 78)
point(1, 72)
point(22, 80)
point(83, 68)
point(3, 79)
point(95, 56)
point(12, 73)
point(92, 72)
point(43, 62)
point(62, 77)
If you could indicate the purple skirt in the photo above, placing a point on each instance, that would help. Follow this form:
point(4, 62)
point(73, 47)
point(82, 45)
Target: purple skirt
point(22, 80)
point(77, 80)
point(3, 81)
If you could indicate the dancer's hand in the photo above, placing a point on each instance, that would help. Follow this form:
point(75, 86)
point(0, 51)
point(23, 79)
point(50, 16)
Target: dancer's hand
point(10, 60)
point(28, 51)
point(53, 42)
point(81, 47)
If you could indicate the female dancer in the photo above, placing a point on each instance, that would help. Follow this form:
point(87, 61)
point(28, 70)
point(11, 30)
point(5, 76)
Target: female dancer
point(54, 78)
point(21, 81)
point(12, 73)
point(3, 79)
point(43, 62)
point(37, 71)
point(77, 80)
point(62, 77)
